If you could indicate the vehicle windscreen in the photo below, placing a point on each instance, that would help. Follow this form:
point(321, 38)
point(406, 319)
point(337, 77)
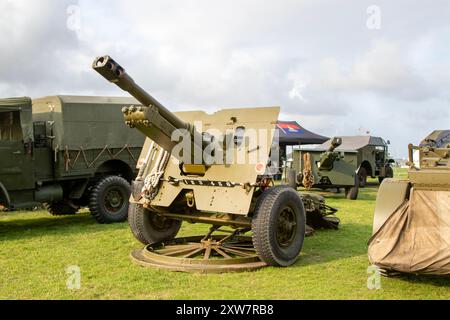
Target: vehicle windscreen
point(10, 128)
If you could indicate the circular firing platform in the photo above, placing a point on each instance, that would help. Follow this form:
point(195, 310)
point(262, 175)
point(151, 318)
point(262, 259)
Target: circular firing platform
point(200, 254)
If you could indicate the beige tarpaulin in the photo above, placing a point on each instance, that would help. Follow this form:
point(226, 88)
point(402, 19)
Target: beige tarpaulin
point(416, 238)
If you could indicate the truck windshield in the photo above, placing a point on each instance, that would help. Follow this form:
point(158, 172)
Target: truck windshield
point(10, 129)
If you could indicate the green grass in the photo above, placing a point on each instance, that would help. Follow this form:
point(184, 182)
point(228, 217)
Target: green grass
point(36, 249)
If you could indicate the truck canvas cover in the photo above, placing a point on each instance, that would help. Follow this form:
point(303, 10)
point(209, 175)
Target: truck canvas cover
point(78, 122)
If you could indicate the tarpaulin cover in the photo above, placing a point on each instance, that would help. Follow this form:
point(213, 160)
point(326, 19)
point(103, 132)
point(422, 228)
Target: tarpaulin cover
point(415, 238)
point(438, 139)
point(87, 122)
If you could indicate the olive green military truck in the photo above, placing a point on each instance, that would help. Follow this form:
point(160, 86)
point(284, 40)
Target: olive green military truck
point(343, 162)
point(67, 152)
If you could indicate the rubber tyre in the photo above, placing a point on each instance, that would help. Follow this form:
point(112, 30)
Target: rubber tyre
point(100, 209)
point(352, 193)
point(148, 228)
point(389, 172)
point(60, 208)
point(269, 207)
point(362, 173)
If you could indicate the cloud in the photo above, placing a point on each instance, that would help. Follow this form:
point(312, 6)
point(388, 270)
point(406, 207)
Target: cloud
point(384, 69)
point(316, 59)
point(34, 36)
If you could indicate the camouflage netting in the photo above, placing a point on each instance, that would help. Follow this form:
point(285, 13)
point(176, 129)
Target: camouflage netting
point(308, 177)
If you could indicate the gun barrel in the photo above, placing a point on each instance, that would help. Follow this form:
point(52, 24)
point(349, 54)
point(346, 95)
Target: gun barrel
point(114, 73)
point(335, 143)
point(327, 161)
point(153, 120)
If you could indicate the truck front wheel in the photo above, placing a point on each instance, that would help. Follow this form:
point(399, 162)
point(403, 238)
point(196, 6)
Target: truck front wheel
point(109, 198)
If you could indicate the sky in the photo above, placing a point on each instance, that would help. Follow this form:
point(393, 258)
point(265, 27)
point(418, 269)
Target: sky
point(337, 67)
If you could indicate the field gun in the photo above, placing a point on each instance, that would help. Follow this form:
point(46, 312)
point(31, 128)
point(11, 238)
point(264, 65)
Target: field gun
point(328, 158)
point(221, 178)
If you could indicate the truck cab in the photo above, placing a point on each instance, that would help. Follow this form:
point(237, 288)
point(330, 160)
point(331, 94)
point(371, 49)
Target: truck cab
point(16, 152)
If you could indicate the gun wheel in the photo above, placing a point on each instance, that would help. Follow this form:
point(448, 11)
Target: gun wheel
point(351, 193)
point(279, 226)
point(201, 254)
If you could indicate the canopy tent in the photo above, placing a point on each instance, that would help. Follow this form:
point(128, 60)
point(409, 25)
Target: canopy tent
point(293, 134)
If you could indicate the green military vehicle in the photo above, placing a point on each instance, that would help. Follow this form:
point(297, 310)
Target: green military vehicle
point(343, 162)
point(67, 152)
